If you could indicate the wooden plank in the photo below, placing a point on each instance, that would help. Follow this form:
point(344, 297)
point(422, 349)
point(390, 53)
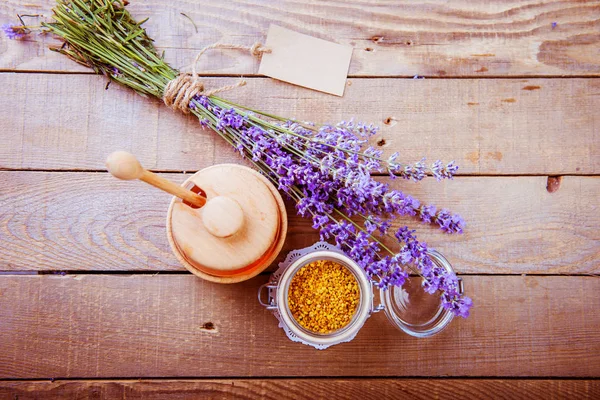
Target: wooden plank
point(92, 221)
point(464, 38)
point(102, 326)
point(309, 389)
point(487, 126)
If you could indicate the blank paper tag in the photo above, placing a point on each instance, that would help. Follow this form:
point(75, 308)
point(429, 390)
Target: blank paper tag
point(306, 61)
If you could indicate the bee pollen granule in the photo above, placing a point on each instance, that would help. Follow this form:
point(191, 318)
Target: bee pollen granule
point(323, 296)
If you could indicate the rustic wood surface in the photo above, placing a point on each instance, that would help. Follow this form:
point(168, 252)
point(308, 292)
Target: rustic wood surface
point(309, 389)
point(390, 38)
point(514, 101)
point(515, 225)
point(489, 126)
point(178, 325)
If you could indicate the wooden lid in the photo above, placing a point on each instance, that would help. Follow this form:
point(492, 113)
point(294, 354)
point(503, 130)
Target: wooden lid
point(235, 229)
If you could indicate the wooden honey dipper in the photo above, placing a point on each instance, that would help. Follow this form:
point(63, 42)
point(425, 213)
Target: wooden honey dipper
point(221, 215)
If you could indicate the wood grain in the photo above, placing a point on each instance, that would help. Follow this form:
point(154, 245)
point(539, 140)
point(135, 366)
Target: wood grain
point(514, 225)
point(390, 38)
point(180, 326)
point(308, 389)
point(72, 122)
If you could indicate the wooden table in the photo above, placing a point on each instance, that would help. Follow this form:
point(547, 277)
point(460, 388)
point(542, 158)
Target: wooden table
point(93, 303)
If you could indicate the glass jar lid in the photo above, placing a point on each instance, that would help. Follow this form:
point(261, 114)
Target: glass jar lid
point(415, 311)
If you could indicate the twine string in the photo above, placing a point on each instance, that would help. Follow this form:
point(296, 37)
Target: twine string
point(180, 91)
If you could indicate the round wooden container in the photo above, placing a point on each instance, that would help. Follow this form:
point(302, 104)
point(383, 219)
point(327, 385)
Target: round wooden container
point(237, 234)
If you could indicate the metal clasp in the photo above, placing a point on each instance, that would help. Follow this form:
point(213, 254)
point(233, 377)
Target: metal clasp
point(379, 307)
point(461, 286)
point(271, 303)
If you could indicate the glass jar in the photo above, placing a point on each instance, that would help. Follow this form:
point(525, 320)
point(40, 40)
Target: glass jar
point(409, 308)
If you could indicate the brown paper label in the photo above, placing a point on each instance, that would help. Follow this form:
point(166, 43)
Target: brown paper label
point(306, 61)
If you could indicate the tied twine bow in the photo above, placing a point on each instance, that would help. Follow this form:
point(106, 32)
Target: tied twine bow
point(180, 91)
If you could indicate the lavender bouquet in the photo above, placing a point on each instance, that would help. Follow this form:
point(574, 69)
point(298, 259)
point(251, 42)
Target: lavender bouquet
point(326, 170)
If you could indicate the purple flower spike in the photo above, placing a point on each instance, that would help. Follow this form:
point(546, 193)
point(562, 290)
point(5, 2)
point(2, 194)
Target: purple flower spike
point(450, 223)
point(441, 171)
point(13, 31)
point(427, 213)
point(463, 306)
point(434, 278)
point(327, 172)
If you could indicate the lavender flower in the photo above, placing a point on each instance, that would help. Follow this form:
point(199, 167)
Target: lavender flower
point(435, 278)
point(114, 71)
point(13, 31)
point(327, 172)
point(418, 170)
point(441, 171)
point(138, 66)
point(427, 213)
point(450, 223)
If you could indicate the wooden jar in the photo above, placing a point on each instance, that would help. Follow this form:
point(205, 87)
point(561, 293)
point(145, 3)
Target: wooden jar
point(237, 234)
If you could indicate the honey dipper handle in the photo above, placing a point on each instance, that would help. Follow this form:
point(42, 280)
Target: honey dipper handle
point(124, 165)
